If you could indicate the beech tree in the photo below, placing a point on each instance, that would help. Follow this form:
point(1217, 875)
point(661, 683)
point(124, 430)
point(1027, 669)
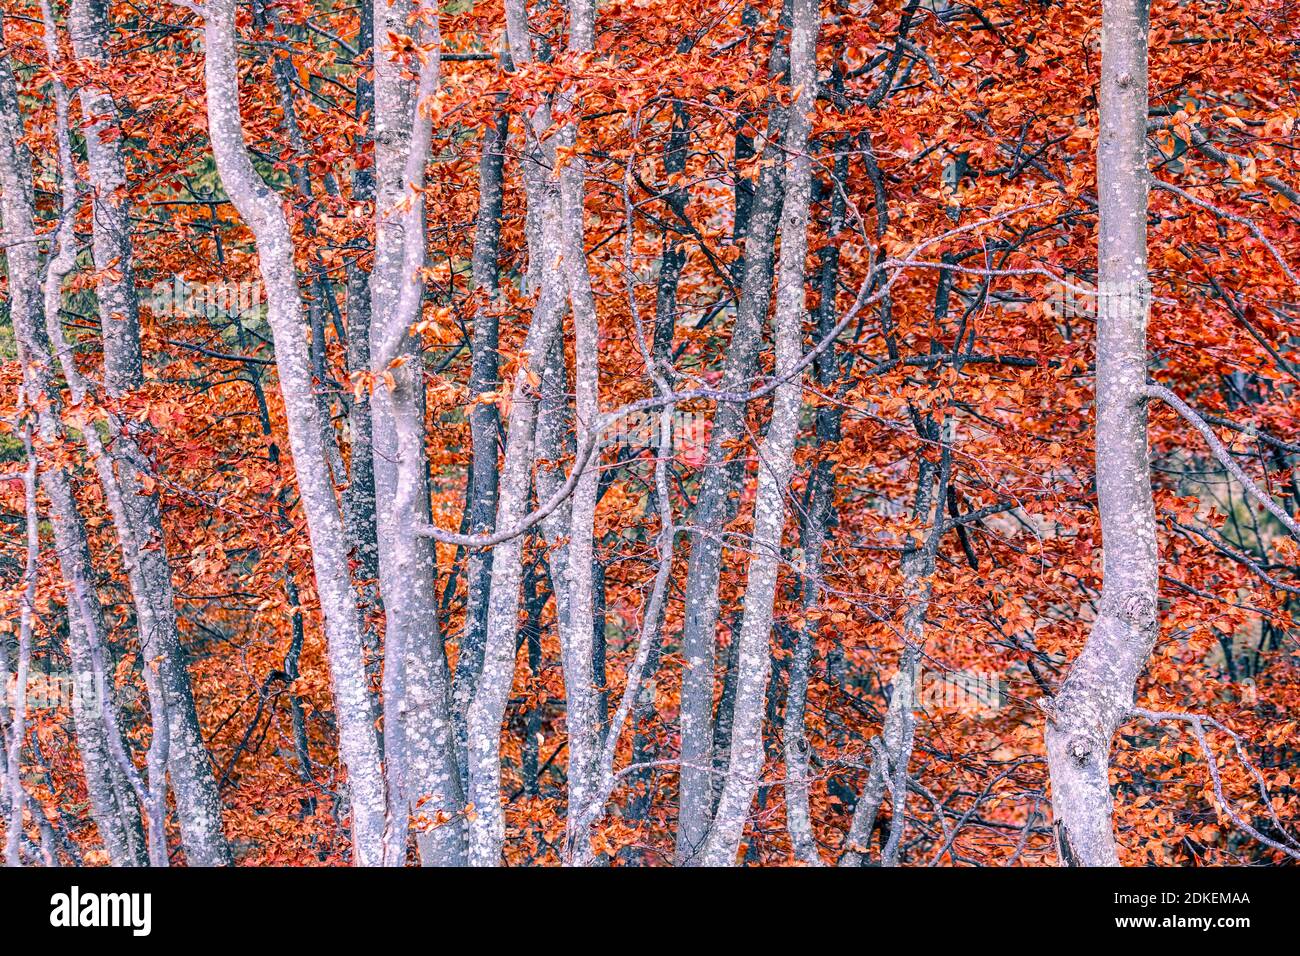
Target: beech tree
point(794, 433)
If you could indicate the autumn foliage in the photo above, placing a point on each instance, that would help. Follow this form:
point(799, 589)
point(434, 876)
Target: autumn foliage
point(954, 193)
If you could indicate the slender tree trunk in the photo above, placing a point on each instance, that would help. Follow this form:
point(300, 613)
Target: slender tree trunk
point(714, 503)
point(358, 511)
point(659, 362)
point(359, 498)
point(137, 511)
point(775, 455)
point(487, 709)
point(27, 614)
point(60, 262)
point(484, 423)
point(555, 442)
point(892, 749)
point(534, 603)
point(814, 532)
point(261, 208)
point(418, 734)
point(578, 644)
point(116, 819)
point(1098, 692)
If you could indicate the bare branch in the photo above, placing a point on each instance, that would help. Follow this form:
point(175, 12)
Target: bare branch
point(1223, 455)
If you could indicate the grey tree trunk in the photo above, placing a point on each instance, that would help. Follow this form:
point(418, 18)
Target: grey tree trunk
point(554, 441)
point(261, 208)
point(1098, 693)
point(487, 709)
point(814, 532)
point(714, 503)
point(484, 424)
point(136, 508)
point(60, 262)
point(891, 751)
point(775, 454)
point(27, 613)
point(657, 361)
point(359, 498)
point(116, 819)
point(418, 733)
point(577, 641)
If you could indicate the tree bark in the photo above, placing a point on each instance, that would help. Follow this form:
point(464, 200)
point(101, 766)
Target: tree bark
point(359, 498)
point(418, 734)
point(117, 821)
point(487, 709)
point(578, 644)
point(262, 209)
point(137, 510)
point(775, 454)
point(891, 751)
point(813, 535)
point(714, 504)
point(484, 423)
point(1098, 693)
point(27, 614)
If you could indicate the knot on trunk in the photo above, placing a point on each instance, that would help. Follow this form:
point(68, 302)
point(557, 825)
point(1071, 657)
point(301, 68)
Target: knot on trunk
point(1080, 748)
point(1136, 609)
point(1139, 609)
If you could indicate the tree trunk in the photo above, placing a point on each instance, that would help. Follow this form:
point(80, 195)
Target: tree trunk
point(137, 512)
point(1098, 692)
point(487, 709)
point(418, 734)
point(484, 424)
point(27, 614)
point(578, 644)
point(814, 532)
point(714, 504)
point(359, 498)
point(261, 208)
point(775, 454)
point(115, 818)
